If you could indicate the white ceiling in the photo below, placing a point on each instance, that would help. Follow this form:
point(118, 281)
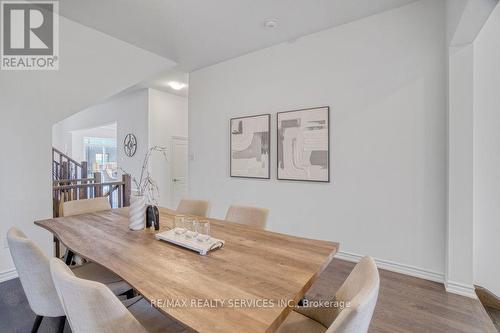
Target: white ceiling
point(160, 80)
point(199, 33)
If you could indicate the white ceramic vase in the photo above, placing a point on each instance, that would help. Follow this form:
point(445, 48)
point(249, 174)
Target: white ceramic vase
point(137, 212)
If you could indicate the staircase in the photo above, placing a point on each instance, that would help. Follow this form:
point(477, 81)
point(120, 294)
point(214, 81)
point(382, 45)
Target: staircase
point(64, 167)
point(70, 181)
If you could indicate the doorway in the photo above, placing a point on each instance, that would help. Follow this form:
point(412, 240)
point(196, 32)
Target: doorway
point(179, 174)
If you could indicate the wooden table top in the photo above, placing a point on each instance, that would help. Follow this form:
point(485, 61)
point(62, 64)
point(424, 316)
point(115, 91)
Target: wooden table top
point(251, 274)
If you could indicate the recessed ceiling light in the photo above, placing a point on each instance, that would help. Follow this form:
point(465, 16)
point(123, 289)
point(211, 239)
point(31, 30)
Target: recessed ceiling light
point(270, 23)
point(176, 85)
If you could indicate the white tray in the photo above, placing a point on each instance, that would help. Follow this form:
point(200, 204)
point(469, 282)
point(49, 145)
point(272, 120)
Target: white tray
point(190, 243)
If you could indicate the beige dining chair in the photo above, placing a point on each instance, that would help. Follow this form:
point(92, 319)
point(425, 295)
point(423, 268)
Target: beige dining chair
point(84, 206)
point(253, 216)
point(32, 266)
point(91, 307)
point(359, 292)
point(78, 207)
point(193, 207)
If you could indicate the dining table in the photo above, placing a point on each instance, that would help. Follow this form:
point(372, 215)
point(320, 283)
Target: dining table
point(248, 285)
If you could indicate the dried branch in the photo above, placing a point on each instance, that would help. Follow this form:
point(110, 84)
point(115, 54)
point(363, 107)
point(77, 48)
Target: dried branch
point(146, 184)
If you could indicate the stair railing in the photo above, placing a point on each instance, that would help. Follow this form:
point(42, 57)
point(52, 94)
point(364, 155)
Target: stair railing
point(64, 167)
point(117, 192)
point(71, 182)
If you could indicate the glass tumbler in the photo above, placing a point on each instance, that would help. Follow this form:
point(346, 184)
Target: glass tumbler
point(191, 228)
point(180, 225)
point(203, 231)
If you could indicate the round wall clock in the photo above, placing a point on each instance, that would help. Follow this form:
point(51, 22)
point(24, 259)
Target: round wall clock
point(130, 145)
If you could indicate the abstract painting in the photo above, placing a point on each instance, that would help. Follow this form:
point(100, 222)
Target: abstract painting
point(304, 144)
point(250, 149)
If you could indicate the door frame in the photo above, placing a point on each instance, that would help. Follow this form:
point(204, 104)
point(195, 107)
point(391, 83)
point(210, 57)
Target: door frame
point(173, 140)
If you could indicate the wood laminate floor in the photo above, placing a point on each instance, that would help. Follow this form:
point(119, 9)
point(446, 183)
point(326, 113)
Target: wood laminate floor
point(405, 304)
point(408, 304)
point(495, 316)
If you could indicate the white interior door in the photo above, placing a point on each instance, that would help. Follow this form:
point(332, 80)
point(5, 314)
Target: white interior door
point(179, 179)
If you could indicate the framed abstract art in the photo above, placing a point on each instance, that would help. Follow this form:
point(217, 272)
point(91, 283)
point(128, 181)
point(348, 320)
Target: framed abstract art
point(250, 146)
point(303, 138)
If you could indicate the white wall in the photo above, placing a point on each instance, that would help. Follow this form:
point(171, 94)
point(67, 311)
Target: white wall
point(129, 112)
point(459, 263)
point(59, 139)
point(384, 78)
point(168, 117)
point(454, 13)
point(487, 155)
point(465, 19)
point(93, 66)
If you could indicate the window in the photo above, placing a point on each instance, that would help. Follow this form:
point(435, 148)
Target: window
point(100, 154)
point(102, 158)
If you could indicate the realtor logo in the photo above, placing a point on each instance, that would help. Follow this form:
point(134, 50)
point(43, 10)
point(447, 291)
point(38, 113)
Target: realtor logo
point(29, 35)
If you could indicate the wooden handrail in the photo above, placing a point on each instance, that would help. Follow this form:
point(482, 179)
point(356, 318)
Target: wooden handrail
point(55, 182)
point(69, 187)
point(66, 157)
point(111, 190)
point(85, 188)
point(65, 167)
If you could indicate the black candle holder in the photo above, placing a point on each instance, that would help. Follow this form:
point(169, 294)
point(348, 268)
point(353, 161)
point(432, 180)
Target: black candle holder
point(153, 217)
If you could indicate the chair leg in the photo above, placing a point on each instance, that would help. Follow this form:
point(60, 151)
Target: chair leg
point(130, 293)
point(68, 257)
point(36, 324)
point(62, 321)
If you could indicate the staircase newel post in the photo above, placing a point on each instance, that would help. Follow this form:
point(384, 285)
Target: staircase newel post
point(127, 189)
point(64, 176)
point(97, 183)
point(64, 170)
point(84, 175)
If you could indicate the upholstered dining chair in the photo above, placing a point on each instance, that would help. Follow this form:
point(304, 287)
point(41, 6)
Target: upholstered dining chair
point(359, 293)
point(91, 307)
point(253, 216)
point(193, 207)
point(78, 207)
point(84, 206)
point(32, 266)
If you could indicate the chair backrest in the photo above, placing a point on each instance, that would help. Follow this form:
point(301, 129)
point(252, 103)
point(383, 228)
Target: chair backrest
point(193, 207)
point(253, 216)
point(360, 289)
point(34, 272)
point(90, 306)
point(84, 206)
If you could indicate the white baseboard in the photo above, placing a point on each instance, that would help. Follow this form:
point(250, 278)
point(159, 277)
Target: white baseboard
point(396, 267)
point(8, 275)
point(460, 289)
point(450, 286)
